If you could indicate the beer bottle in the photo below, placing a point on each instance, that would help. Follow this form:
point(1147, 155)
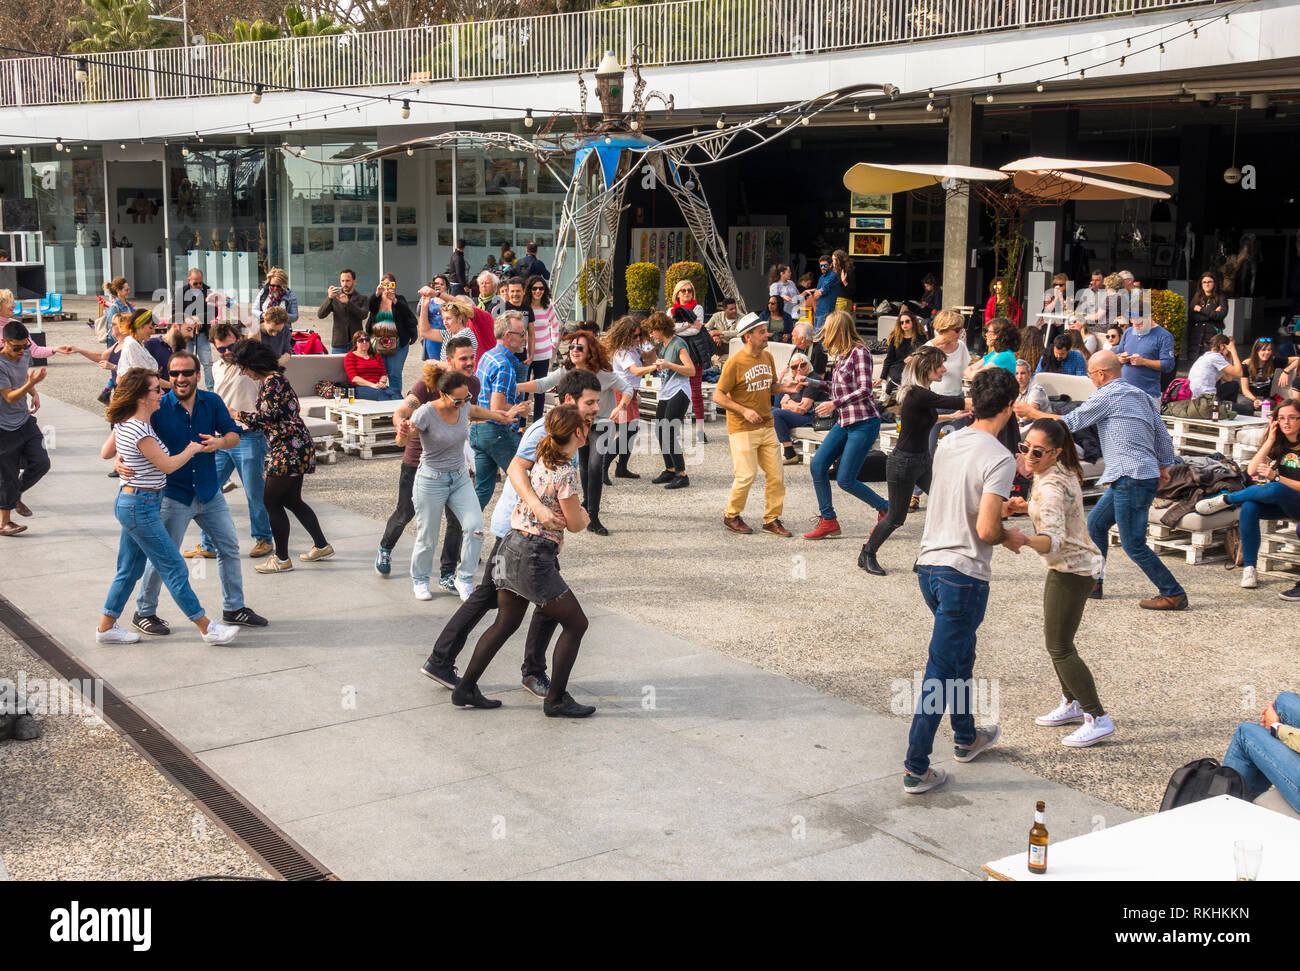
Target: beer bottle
point(1038, 842)
point(1214, 416)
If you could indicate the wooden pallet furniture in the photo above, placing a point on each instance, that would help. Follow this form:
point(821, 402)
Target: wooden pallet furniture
point(1195, 536)
point(648, 399)
point(1279, 549)
point(1199, 436)
point(363, 425)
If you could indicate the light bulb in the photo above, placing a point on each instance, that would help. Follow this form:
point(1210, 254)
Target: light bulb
point(989, 97)
point(803, 119)
point(1122, 60)
point(634, 124)
point(406, 109)
point(1039, 87)
point(122, 146)
point(856, 108)
point(1082, 74)
point(1195, 32)
point(929, 106)
point(1162, 48)
point(1128, 41)
point(257, 94)
point(930, 93)
point(871, 114)
point(608, 140)
point(185, 151)
point(722, 122)
point(528, 118)
point(1066, 60)
point(409, 151)
point(999, 77)
point(58, 144)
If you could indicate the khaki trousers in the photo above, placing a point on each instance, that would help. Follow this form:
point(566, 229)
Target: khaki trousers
point(749, 451)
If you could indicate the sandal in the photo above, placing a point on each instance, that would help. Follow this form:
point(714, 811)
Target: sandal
point(12, 529)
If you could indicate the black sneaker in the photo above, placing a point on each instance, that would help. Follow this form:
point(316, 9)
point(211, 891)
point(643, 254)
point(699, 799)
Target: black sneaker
point(1293, 594)
point(566, 707)
point(538, 685)
point(463, 697)
point(152, 624)
point(625, 474)
point(667, 475)
point(105, 396)
point(447, 677)
point(679, 482)
point(244, 617)
point(596, 527)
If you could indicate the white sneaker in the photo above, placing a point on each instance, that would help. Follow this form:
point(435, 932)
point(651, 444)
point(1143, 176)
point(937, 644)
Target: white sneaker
point(422, 591)
point(115, 635)
point(464, 588)
point(1092, 731)
point(220, 633)
point(1207, 507)
point(1063, 714)
point(1248, 579)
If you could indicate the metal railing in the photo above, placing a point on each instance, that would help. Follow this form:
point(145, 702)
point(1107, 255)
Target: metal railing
point(683, 31)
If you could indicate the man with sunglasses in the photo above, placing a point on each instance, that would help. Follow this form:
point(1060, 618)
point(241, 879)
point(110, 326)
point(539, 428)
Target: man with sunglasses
point(23, 460)
point(827, 290)
point(238, 392)
point(193, 492)
point(1137, 449)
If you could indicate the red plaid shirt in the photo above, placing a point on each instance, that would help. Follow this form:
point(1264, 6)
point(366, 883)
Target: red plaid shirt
point(851, 388)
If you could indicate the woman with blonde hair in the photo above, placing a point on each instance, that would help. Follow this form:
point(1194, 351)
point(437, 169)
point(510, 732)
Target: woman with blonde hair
point(626, 344)
point(276, 293)
point(136, 329)
point(856, 426)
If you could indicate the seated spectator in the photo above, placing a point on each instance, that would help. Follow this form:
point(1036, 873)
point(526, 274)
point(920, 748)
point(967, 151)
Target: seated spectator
point(1032, 346)
point(1083, 340)
point(807, 283)
point(1063, 359)
point(1276, 494)
point(931, 301)
point(721, 351)
point(1003, 339)
point(779, 323)
point(1259, 371)
point(802, 339)
point(726, 318)
point(1268, 754)
point(909, 333)
point(366, 371)
point(1030, 391)
point(795, 409)
point(1210, 371)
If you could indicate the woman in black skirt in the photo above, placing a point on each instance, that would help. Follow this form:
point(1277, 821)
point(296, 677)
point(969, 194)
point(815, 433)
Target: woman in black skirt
point(527, 569)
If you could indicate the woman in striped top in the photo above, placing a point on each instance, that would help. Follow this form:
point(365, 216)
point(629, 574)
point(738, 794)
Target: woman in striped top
point(538, 297)
point(138, 509)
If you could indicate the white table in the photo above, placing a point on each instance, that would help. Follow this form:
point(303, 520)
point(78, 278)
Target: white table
point(363, 424)
point(1200, 436)
point(1190, 843)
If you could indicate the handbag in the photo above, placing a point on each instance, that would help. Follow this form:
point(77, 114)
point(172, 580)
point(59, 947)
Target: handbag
point(328, 389)
point(821, 424)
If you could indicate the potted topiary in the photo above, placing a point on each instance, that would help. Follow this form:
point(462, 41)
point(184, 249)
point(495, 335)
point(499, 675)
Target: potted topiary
point(642, 289)
point(1169, 310)
point(686, 271)
point(593, 290)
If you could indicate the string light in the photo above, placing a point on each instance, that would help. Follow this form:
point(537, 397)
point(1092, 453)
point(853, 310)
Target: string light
point(930, 94)
point(185, 151)
point(1195, 33)
point(929, 106)
point(871, 114)
point(856, 107)
point(999, 77)
point(409, 151)
point(528, 118)
point(989, 97)
point(1039, 87)
point(722, 121)
point(122, 146)
point(257, 94)
point(1082, 73)
point(1066, 60)
point(1128, 41)
point(803, 118)
point(608, 140)
point(406, 108)
point(58, 144)
point(1162, 48)
point(1122, 60)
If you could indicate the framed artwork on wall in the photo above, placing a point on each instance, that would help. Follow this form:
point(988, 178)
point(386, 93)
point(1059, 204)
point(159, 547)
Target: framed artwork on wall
point(872, 203)
point(869, 244)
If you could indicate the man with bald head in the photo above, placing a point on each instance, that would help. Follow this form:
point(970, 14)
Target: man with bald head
point(1137, 449)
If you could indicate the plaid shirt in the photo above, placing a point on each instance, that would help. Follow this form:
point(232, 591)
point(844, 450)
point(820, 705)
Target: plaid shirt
point(1134, 440)
point(496, 372)
point(851, 388)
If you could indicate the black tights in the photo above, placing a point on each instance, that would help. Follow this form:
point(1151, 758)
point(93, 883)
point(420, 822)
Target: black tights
point(511, 608)
point(284, 492)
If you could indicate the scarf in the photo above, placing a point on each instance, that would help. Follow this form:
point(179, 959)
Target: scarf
point(688, 305)
point(274, 295)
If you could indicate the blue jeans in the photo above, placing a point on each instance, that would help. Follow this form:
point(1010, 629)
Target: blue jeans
point(957, 602)
point(1275, 500)
point(783, 421)
point(494, 446)
point(377, 394)
point(203, 348)
point(432, 491)
point(819, 318)
point(248, 457)
point(1262, 760)
point(849, 445)
point(393, 365)
point(1126, 504)
point(144, 540)
point(214, 519)
point(339, 350)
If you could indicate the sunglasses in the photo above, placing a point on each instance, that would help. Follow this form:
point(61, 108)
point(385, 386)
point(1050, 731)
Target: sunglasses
point(187, 373)
point(539, 289)
point(1034, 451)
point(363, 340)
point(1266, 340)
point(19, 347)
point(459, 402)
point(224, 350)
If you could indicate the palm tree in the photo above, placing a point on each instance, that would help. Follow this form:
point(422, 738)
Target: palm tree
point(243, 31)
point(117, 25)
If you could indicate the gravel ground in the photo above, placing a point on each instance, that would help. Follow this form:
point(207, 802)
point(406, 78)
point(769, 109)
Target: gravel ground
point(79, 803)
point(1176, 684)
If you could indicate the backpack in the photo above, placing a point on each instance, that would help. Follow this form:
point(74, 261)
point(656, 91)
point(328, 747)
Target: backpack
point(1179, 389)
point(307, 342)
point(700, 347)
point(102, 330)
point(1202, 779)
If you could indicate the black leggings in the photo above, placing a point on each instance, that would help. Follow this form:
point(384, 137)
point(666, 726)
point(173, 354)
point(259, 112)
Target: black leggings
point(627, 433)
point(510, 614)
point(669, 416)
point(284, 492)
point(591, 465)
point(904, 471)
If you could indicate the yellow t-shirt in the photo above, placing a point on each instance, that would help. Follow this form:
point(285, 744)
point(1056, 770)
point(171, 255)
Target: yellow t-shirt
point(748, 381)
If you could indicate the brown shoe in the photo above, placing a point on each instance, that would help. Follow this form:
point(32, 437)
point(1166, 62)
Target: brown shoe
point(1165, 603)
point(199, 551)
point(736, 524)
point(20, 507)
point(776, 527)
point(261, 548)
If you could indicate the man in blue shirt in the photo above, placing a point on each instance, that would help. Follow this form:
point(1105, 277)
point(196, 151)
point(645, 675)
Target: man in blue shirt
point(494, 443)
point(1147, 353)
point(1137, 449)
point(193, 493)
point(828, 289)
point(1063, 359)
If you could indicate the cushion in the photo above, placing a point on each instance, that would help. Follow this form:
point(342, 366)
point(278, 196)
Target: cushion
point(319, 427)
point(808, 434)
point(1195, 522)
point(312, 406)
point(1272, 799)
point(303, 371)
point(1093, 470)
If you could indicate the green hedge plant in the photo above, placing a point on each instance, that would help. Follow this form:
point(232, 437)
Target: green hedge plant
point(642, 286)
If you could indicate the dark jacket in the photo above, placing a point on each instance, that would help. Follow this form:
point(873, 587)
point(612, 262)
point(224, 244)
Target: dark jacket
point(1198, 478)
point(349, 317)
point(193, 302)
point(530, 265)
point(403, 316)
point(456, 271)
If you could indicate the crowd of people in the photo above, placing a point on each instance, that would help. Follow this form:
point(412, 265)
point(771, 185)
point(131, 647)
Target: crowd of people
point(468, 422)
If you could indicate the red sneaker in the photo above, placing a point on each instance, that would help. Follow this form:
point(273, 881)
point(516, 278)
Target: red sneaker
point(825, 529)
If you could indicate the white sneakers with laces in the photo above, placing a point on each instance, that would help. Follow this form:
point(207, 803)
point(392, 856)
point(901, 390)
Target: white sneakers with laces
point(220, 633)
point(1092, 731)
point(422, 591)
point(1065, 713)
point(1249, 581)
point(116, 635)
point(464, 588)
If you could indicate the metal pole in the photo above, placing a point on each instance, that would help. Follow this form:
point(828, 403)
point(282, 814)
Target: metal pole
point(108, 226)
point(167, 238)
point(379, 192)
point(455, 216)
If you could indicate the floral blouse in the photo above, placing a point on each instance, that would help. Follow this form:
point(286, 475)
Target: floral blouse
point(289, 448)
point(1056, 510)
point(551, 485)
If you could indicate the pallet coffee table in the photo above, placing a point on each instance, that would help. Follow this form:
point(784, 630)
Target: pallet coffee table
point(363, 425)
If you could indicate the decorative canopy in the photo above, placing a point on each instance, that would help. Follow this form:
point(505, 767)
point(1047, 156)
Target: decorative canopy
point(1133, 171)
point(869, 178)
point(1067, 185)
point(1049, 179)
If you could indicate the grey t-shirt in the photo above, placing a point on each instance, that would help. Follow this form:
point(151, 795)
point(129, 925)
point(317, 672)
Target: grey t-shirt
point(443, 444)
point(13, 374)
point(967, 464)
